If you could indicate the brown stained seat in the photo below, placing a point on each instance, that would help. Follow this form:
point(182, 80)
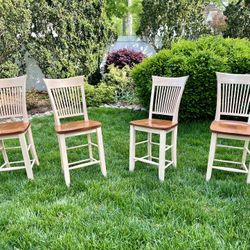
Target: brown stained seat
point(155, 124)
point(77, 126)
point(231, 127)
point(12, 128)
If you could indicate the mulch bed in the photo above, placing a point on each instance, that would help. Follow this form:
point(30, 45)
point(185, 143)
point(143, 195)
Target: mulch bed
point(37, 102)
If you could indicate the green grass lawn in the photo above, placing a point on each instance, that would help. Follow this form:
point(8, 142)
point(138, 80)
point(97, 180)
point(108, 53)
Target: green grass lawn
point(125, 210)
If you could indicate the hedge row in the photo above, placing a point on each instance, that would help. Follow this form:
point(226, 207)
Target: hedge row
point(200, 60)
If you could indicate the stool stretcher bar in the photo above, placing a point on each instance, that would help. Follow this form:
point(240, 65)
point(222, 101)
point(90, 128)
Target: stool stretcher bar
point(83, 165)
point(4, 169)
point(236, 170)
point(143, 159)
point(227, 146)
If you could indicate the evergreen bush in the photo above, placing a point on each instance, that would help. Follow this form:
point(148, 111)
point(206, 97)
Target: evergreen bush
point(199, 59)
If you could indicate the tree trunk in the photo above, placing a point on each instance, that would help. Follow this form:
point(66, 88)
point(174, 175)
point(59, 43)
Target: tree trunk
point(124, 26)
point(130, 20)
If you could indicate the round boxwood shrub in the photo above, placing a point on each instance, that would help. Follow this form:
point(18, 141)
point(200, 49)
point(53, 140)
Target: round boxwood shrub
point(98, 95)
point(121, 58)
point(199, 59)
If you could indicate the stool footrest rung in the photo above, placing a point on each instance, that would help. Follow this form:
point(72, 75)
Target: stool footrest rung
point(86, 164)
point(3, 168)
point(230, 169)
point(143, 159)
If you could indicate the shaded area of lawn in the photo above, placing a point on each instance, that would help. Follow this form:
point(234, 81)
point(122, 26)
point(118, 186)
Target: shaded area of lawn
point(125, 210)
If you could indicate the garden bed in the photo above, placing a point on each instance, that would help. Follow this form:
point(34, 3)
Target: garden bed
point(37, 102)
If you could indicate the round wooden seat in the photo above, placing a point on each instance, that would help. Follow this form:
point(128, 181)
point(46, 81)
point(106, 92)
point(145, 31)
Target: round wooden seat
point(155, 124)
point(77, 126)
point(230, 127)
point(12, 128)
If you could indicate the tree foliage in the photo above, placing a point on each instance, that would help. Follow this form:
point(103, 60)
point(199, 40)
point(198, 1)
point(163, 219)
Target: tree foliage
point(117, 11)
point(164, 21)
point(15, 20)
point(238, 19)
point(218, 23)
point(120, 8)
point(65, 37)
point(68, 37)
point(117, 8)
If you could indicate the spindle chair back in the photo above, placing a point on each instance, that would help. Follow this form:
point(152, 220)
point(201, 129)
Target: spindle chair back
point(233, 95)
point(67, 98)
point(166, 96)
point(12, 98)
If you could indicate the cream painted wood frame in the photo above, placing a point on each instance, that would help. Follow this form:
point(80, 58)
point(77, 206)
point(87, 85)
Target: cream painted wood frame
point(165, 100)
point(67, 97)
point(233, 99)
point(13, 105)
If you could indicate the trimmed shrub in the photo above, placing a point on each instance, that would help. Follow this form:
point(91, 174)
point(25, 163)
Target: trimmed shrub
point(8, 69)
point(98, 95)
point(200, 60)
point(123, 57)
point(122, 81)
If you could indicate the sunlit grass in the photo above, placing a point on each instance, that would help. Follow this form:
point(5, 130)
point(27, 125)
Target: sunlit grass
point(125, 210)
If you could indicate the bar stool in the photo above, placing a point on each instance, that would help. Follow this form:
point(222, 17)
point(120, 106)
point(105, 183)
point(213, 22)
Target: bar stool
point(68, 100)
point(12, 106)
point(233, 99)
point(165, 100)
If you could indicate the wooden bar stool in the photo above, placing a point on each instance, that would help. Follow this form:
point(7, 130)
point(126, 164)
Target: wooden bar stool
point(12, 106)
point(165, 100)
point(233, 99)
point(68, 100)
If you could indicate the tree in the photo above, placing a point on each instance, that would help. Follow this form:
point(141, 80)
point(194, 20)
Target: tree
point(164, 21)
point(238, 19)
point(68, 37)
point(218, 23)
point(122, 11)
point(15, 21)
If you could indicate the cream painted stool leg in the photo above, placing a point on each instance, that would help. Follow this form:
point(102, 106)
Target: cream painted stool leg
point(244, 155)
point(32, 147)
point(174, 147)
point(244, 158)
point(90, 147)
point(248, 176)
point(64, 158)
point(62, 168)
point(26, 156)
point(5, 156)
point(101, 151)
point(211, 156)
point(162, 155)
point(132, 149)
point(150, 146)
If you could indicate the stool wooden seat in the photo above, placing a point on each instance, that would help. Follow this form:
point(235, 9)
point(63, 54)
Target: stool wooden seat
point(12, 128)
point(233, 100)
point(77, 126)
point(165, 100)
point(155, 124)
point(13, 105)
point(68, 100)
point(231, 128)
